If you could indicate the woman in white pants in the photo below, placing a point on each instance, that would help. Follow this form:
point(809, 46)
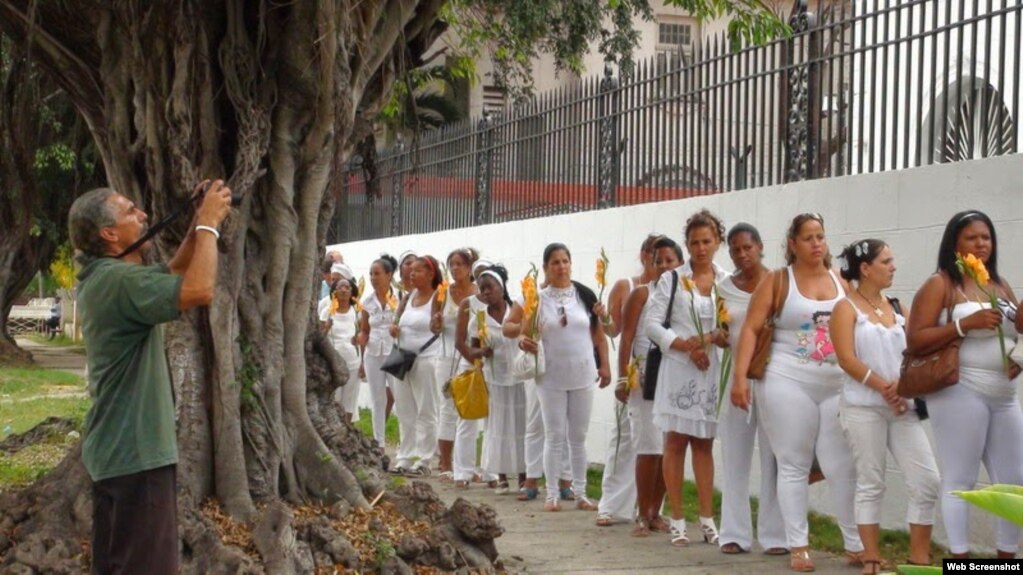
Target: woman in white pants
point(504, 452)
point(459, 266)
point(685, 403)
point(374, 337)
point(618, 486)
point(571, 333)
point(977, 420)
point(341, 323)
point(647, 439)
point(739, 429)
point(869, 337)
point(800, 393)
point(415, 398)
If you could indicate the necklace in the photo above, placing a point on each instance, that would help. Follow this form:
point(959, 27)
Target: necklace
point(876, 306)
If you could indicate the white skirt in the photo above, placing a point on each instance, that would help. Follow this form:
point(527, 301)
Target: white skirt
point(506, 430)
point(647, 438)
point(686, 398)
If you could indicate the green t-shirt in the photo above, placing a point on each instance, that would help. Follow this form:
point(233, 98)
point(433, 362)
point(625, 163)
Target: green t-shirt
point(130, 427)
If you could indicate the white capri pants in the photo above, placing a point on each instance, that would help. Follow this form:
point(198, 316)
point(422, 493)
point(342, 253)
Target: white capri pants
point(347, 396)
point(873, 432)
point(378, 382)
point(970, 428)
point(801, 421)
point(415, 404)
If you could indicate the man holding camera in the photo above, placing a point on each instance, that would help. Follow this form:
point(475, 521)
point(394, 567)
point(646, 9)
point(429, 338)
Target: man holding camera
point(130, 448)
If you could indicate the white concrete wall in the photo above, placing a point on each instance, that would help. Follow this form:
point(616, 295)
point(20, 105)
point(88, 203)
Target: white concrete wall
point(908, 209)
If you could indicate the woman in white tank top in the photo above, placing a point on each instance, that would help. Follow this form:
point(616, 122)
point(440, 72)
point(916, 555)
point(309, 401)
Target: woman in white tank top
point(800, 393)
point(571, 334)
point(977, 420)
point(869, 338)
point(341, 324)
point(415, 398)
point(740, 430)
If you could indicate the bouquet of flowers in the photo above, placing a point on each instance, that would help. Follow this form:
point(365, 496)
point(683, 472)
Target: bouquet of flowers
point(530, 304)
point(971, 266)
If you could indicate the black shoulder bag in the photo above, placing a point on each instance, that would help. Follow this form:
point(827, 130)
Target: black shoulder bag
point(654, 354)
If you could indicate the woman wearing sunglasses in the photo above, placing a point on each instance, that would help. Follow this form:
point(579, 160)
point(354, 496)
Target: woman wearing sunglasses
point(576, 356)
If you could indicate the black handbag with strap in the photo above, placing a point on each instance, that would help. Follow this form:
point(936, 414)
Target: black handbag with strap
point(399, 361)
point(654, 354)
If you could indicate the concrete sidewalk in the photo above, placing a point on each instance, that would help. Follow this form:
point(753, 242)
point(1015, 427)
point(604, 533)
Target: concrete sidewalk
point(65, 358)
point(536, 541)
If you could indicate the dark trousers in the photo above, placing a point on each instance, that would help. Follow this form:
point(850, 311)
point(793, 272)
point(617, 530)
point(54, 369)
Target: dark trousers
point(135, 523)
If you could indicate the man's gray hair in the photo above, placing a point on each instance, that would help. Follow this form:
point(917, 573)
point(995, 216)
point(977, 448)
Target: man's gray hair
point(90, 213)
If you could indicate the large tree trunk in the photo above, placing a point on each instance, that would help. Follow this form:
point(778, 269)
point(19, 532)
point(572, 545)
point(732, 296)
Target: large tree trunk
point(268, 94)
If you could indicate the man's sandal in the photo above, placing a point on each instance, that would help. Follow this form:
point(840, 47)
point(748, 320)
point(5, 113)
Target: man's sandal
point(604, 519)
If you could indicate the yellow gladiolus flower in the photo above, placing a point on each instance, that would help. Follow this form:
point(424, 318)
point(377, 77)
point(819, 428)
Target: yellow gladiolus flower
point(970, 265)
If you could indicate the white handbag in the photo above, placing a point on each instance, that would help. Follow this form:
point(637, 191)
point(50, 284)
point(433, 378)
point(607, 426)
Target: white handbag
point(526, 365)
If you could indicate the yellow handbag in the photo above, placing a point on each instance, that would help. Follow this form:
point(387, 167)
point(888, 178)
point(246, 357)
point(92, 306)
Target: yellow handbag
point(469, 392)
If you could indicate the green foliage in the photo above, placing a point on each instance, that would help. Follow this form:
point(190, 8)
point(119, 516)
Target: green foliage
point(384, 551)
point(365, 425)
point(29, 464)
point(514, 33)
point(919, 570)
point(1005, 501)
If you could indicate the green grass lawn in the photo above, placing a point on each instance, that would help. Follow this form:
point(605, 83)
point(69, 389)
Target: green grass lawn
point(61, 340)
point(27, 397)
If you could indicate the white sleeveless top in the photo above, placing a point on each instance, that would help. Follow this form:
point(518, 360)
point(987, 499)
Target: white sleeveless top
point(342, 330)
point(880, 348)
point(449, 317)
point(641, 343)
point(980, 356)
point(380, 319)
point(415, 328)
point(474, 305)
point(497, 368)
point(568, 349)
point(737, 303)
point(802, 350)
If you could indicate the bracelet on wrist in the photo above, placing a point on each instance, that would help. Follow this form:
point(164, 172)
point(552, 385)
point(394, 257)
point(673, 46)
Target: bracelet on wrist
point(209, 229)
point(866, 377)
point(959, 328)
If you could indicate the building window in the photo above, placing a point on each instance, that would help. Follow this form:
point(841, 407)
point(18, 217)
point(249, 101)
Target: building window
point(674, 34)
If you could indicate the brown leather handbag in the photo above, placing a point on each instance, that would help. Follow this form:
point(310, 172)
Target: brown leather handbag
point(922, 374)
point(762, 350)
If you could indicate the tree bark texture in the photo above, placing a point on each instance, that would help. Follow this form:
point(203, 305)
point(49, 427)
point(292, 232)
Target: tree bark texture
point(271, 95)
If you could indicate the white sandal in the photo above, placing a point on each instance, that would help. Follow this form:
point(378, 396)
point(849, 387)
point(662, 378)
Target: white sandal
point(710, 530)
point(678, 532)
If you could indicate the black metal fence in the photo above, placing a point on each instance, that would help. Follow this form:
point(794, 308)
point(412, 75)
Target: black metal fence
point(865, 86)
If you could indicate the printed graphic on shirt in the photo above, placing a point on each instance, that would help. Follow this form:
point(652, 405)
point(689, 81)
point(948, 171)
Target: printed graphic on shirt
point(813, 340)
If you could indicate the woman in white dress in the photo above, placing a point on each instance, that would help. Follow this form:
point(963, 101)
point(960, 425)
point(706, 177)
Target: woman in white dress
point(459, 267)
point(685, 404)
point(506, 424)
point(374, 337)
point(977, 420)
point(740, 429)
point(799, 395)
point(648, 440)
point(868, 332)
point(576, 355)
point(341, 323)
